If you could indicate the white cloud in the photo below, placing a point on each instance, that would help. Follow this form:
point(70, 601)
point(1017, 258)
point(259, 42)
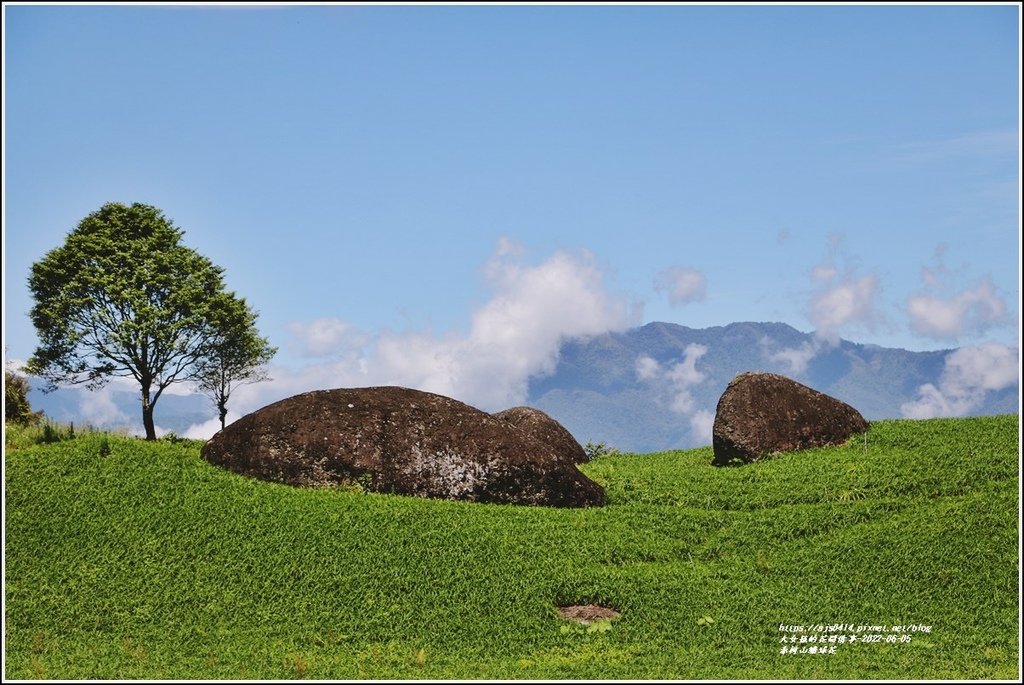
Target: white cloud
point(507, 248)
point(823, 272)
point(682, 401)
point(98, 408)
point(971, 311)
point(989, 366)
point(840, 301)
point(682, 285)
point(676, 382)
point(647, 368)
point(207, 429)
point(514, 336)
point(798, 358)
point(702, 425)
point(969, 373)
point(931, 402)
point(941, 312)
point(685, 373)
point(850, 301)
point(180, 388)
point(324, 337)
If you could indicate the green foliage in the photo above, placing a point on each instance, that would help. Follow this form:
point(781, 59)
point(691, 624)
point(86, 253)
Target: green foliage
point(53, 433)
point(123, 297)
point(601, 626)
point(17, 408)
point(149, 563)
point(17, 436)
point(595, 450)
point(21, 436)
point(174, 439)
point(235, 355)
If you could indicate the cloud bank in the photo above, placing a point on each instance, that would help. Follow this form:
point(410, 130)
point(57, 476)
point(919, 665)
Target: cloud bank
point(969, 374)
point(677, 381)
point(969, 312)
point(323, 337)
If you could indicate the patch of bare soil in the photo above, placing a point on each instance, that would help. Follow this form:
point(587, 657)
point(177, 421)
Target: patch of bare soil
point(587, 613)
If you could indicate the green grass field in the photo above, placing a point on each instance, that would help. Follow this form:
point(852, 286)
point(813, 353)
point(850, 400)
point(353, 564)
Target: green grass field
point(135, 560)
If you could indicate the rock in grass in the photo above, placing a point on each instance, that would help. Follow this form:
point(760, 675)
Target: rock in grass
point(540, 426)
point(763, 413)
point(400, 441)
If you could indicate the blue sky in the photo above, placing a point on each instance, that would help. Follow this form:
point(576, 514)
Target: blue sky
point(400, 189)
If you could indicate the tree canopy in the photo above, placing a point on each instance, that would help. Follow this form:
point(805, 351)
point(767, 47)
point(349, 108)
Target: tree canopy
point(123, 297)
point(235, 355)
point(16, 403)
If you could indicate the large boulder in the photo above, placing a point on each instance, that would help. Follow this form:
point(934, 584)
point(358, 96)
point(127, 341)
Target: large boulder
point(540, 426)
point(401, 441)
point(763, 413)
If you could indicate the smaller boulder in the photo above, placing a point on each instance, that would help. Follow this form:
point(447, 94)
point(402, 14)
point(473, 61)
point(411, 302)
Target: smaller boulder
point(764, 413)
point(545, 429)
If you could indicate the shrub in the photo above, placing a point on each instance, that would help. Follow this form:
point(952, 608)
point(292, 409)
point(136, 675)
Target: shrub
point(55, 432)
point(16, 405)
point(598, 449)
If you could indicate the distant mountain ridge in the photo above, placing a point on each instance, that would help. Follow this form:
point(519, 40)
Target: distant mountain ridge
point(646, 389)
point(122, 411)
point(602, 391)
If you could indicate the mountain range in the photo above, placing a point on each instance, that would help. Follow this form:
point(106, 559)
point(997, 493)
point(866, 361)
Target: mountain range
point(656, 387)
point(650, 388)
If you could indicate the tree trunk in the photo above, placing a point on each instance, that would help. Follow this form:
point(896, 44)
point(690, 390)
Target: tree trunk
point(222, 407)
point(147, 413)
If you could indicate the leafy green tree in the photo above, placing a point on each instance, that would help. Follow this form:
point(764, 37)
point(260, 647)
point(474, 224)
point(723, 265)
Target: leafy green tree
point(235, 355)
point(17, 408)
point(123, 297)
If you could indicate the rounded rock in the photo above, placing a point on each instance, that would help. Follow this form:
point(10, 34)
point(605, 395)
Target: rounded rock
point(542, 427)
point(400, 441)
point(764, 413)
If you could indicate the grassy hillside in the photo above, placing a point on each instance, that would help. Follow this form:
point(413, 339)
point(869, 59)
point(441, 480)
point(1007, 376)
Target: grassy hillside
point(148, 563)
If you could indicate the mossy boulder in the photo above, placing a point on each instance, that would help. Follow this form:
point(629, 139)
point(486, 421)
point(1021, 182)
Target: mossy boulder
point(541, 426)
point(763, 413)
point(400, 441)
